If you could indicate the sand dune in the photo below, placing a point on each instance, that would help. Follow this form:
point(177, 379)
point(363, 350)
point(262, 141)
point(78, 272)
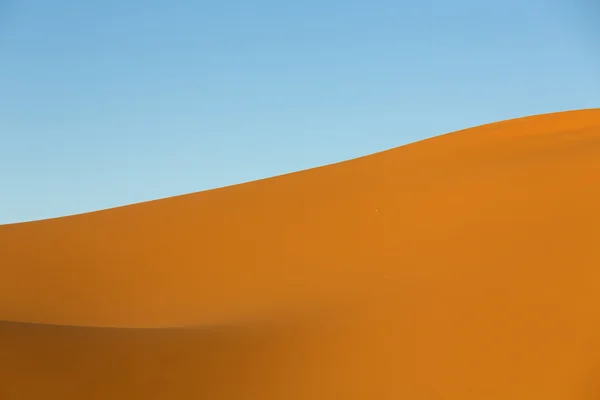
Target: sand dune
point(466, 266)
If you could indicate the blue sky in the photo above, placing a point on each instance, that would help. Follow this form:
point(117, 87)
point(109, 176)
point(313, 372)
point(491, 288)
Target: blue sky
point(106, 103)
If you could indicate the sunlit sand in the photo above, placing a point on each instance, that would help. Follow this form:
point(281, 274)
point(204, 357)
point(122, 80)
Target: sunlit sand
point(465, 267)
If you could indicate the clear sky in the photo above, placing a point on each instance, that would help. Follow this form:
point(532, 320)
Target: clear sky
point(112, 102)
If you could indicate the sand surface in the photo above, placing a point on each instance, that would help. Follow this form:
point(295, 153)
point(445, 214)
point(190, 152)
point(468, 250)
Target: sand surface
point(466, 266)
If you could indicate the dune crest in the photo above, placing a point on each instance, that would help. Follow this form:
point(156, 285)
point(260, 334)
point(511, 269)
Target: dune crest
point(465, 266)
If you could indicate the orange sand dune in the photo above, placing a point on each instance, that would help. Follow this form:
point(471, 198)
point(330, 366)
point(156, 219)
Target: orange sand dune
point(466, 266)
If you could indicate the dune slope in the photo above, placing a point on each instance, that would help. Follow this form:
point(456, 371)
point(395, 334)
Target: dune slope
point(466, 266)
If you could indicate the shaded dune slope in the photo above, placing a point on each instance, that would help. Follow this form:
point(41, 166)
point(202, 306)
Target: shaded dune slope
point(465, 266)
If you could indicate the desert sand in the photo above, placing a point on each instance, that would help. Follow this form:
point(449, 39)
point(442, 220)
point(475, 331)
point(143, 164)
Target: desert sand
point(465, 266)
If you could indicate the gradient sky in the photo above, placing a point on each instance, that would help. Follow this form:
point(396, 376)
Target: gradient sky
point(106, 103)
